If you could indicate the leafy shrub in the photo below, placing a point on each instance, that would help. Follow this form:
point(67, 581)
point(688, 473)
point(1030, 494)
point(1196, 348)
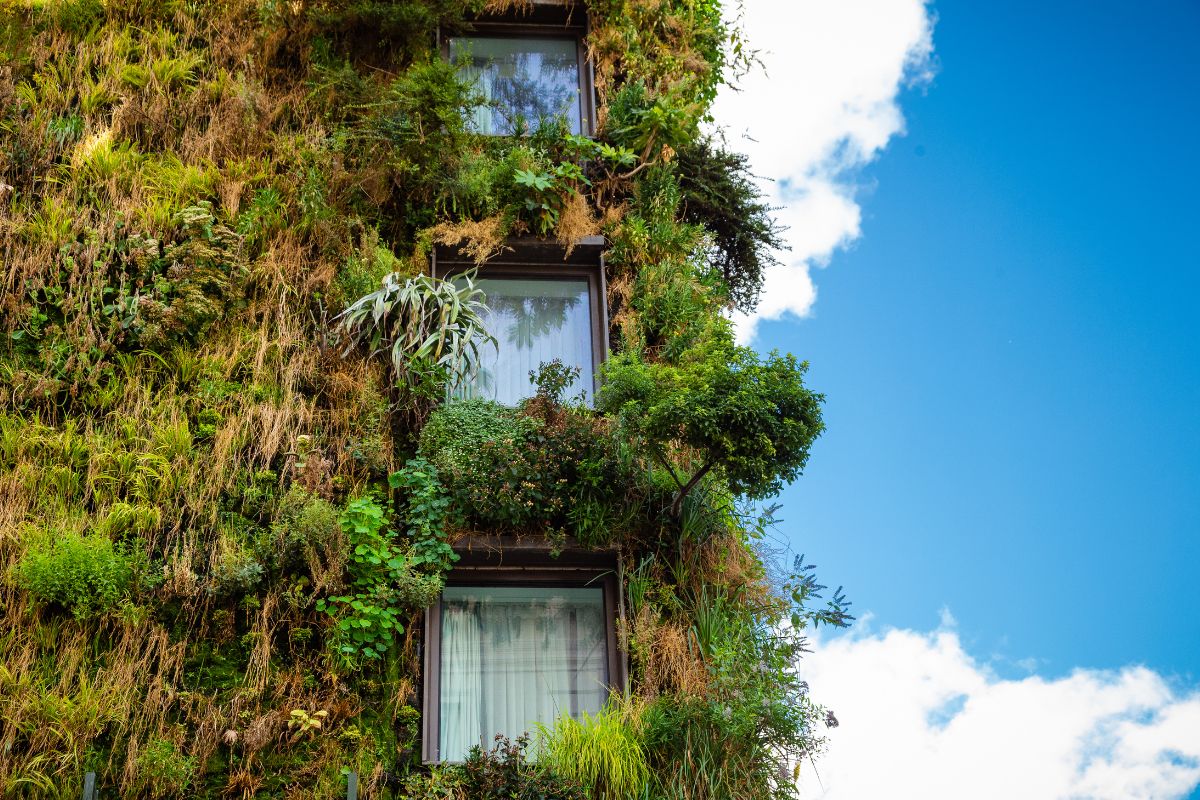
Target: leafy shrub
point(440, 783)
point(602, 752)
point(86, 574)
point(201, 279)
point(506, 773)
point(674, 295)
point(422, 124)
point(503, 773)
point(305, 532)
point(425, 510)
point(754, 720)
point(364, 270)
point(649, 123)
point(455, 433)
point(162, 771)
point(236, 571)
point(369, 619)
point(560, 469)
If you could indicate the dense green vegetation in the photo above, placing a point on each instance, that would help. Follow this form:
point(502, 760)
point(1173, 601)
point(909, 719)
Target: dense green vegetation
point(229, 477)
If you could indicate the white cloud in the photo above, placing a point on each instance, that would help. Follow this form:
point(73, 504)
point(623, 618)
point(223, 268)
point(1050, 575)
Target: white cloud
point(825, 105)
point(921, 719)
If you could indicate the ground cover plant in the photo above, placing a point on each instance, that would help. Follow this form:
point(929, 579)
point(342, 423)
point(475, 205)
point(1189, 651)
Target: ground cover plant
point(230, 474)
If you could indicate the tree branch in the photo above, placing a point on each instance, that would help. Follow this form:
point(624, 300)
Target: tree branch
point(670, 470)
point(691, 484)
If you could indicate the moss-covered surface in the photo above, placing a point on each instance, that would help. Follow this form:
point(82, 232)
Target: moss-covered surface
point(199, 484)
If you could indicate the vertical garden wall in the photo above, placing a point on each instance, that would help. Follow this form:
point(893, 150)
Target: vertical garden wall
point(233, 471)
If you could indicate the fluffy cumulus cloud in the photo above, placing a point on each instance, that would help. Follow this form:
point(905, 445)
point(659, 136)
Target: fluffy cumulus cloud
point(822, 106)
point(921, 719)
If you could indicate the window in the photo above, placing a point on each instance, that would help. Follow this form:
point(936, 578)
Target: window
point(507, 649)
point(540, 308)
point(523, 79)
point(527, 68)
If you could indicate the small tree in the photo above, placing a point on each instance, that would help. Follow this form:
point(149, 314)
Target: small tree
point(720, 407)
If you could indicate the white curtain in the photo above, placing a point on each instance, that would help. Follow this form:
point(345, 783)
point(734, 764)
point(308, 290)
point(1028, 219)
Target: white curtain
point(534, 320)
point(460, 681)
point(539, 653)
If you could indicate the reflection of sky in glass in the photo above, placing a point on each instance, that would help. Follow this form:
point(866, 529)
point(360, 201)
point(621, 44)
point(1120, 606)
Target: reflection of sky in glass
point(522, 79)
point(534, 321)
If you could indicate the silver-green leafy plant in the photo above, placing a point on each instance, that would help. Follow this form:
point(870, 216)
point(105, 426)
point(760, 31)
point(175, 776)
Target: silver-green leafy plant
point(430, 330)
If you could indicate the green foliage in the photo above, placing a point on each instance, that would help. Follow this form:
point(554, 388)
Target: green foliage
point(368, 620)
point(439, 783)
point(162, 771)
point(602, 752)
point(541, 198)
point(752, 420)
point(425, 510)
point(400, 24)
point(236, 571)
point(701, 748)
point(86, 574)
point(720, 193)
point(304, 532)
point(456, 432)
point(544, 468)
point(263, 216)
point(649, 124)
point(364, 271)
point(754, 721)
point(552, 380)
point(674, 298)
point(421, 122)
point(77, 16)
point(390, 576)
point(505, 773)
point(756, 718)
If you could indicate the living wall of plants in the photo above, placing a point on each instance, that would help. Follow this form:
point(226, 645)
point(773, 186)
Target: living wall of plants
point(229, 473)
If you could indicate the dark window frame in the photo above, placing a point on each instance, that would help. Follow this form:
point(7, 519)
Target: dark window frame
point(545, 20)
point(520, 566)
point(538, 259)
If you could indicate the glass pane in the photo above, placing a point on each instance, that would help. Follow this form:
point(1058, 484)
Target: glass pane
point(522, 79)
point(534, 320)
point(515, 656)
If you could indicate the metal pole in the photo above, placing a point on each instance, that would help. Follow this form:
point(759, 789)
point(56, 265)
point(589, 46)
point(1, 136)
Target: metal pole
point(89, 786)
point(352, 786)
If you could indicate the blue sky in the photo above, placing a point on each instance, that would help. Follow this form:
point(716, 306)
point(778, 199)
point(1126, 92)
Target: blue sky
point(1004, 313)
point(1011, 350)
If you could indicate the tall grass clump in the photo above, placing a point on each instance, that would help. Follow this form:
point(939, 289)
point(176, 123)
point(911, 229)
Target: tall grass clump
point(601, 751)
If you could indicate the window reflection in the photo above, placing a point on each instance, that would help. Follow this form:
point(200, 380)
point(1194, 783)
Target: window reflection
point(523, 79)
point(535, 321)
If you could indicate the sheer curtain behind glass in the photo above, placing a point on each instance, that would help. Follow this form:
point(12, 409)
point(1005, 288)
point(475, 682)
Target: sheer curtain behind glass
point(522, 79)
point(512, 657)
point(534, 321)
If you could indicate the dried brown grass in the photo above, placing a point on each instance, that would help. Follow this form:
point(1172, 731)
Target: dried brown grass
point(666, 660)
point(577, 221)
point(478, 240)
